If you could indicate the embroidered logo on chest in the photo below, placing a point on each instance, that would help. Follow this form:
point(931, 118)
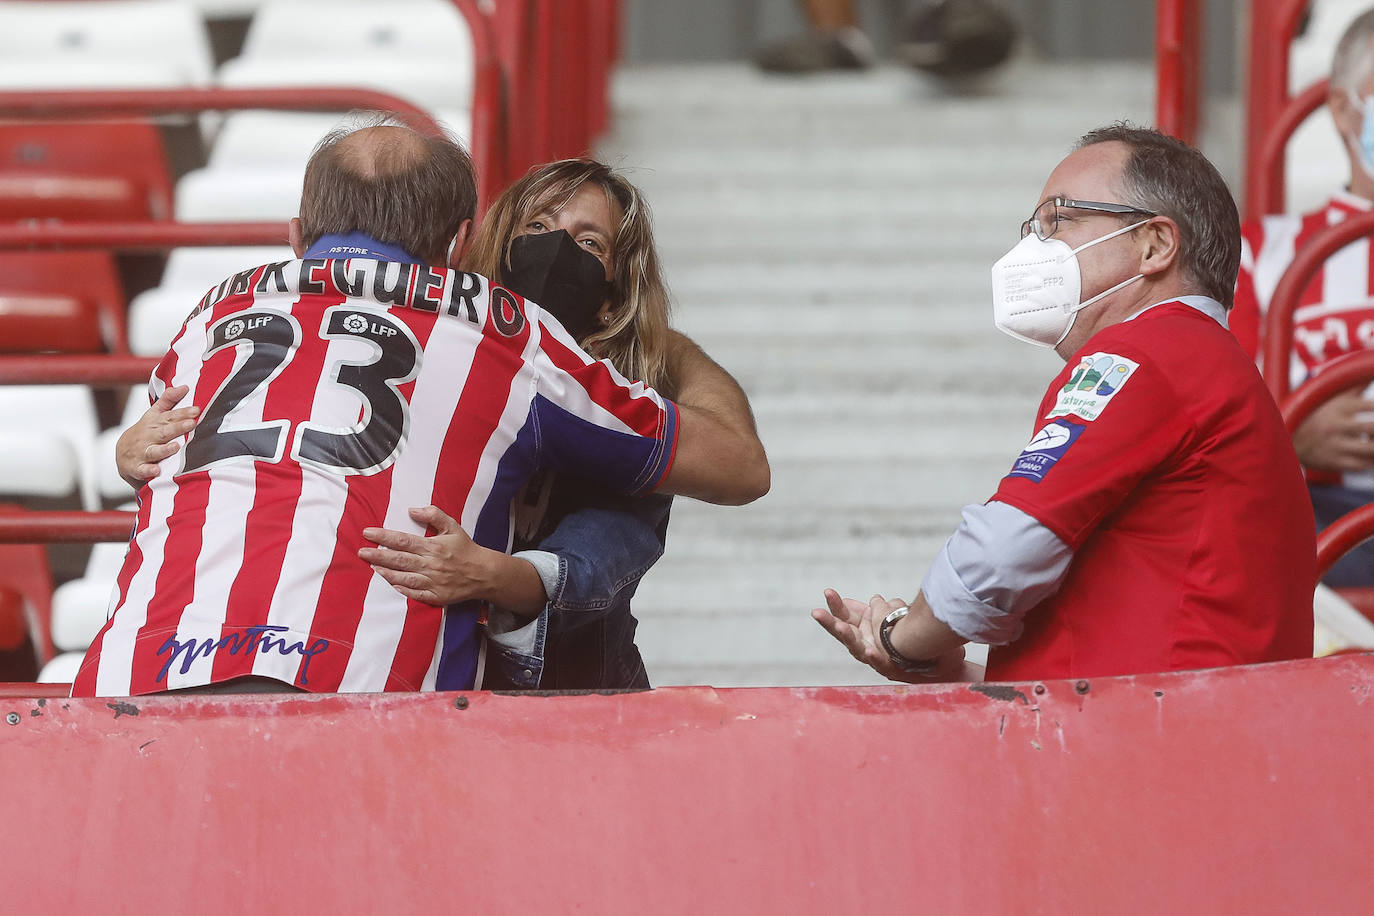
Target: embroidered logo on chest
point(1091, 386)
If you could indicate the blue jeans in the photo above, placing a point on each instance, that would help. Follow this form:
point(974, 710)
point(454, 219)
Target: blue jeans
point(605, 543)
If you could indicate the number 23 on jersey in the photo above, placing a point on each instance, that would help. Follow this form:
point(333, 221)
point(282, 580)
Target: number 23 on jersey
point(366, 446)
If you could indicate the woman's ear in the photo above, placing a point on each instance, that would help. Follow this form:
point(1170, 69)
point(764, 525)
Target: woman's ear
point(1161, 245)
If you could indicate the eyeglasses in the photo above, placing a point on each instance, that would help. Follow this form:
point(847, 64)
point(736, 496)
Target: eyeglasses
point(1044, 222)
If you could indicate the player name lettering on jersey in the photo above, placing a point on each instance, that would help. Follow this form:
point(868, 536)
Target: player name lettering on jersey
point(389, 283)
point(1092, 385)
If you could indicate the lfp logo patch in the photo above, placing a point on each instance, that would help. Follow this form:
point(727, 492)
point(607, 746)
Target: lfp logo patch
point(1045, 449)
point(1091, 385)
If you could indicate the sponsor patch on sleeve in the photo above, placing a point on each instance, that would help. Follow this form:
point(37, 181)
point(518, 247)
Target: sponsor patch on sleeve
point(1092, 385)
point(1045, 449)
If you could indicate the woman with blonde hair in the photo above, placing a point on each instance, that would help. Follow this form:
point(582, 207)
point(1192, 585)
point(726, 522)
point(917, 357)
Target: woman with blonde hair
point(576, 238)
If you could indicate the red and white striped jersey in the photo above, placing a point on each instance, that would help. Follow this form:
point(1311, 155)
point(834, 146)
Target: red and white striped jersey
point(335, 395)
point(1335, 314)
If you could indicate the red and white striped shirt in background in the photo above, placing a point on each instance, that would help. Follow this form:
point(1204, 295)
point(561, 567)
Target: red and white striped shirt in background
point(335, 395)
point(1335, 314)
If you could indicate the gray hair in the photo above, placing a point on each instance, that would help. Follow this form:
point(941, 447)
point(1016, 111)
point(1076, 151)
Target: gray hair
point(1354, 57)
point(411, 190)
point(1166, 176)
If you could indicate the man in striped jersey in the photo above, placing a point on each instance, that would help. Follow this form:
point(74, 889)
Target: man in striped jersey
point(1336, 313)
point(339, 390)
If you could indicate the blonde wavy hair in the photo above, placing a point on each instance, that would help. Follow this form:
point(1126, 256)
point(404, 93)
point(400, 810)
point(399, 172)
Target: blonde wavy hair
point(636, 339)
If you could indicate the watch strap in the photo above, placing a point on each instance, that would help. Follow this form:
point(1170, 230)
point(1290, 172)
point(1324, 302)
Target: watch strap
point(909, 665)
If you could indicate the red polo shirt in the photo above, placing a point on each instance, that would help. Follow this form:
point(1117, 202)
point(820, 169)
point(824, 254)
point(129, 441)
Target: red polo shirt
point(1165, 466)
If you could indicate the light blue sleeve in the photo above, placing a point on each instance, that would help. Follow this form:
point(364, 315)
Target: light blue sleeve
point(996, 566)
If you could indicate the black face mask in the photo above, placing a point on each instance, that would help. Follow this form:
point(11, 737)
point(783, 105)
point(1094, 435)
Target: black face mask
point(565, 279)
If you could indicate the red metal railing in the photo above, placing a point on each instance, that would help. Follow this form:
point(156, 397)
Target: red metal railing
point(557, 56)
point(1271, 114)
point(1342, 536)
point(65, 527)
point(1178, 67)
point(1277, 332)
point(138, 236)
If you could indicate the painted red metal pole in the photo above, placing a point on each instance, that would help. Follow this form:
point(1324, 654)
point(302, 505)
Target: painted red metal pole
point(490, 127)
point(1272, 26)
point(1277, 333)
point(138, 236)
point(1341, 374)
point(1178, 63)
point(1342, 536)
point(65, 527)
point(95, 103)
point(75, 369)
point(1267, 159)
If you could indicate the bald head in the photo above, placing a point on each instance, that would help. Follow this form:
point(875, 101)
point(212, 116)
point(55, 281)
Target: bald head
point(373, 152)
point(392, 184)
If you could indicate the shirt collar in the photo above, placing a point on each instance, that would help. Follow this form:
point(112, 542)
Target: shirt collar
point(1204, 304)
point(1344, 199)
point(357, 245)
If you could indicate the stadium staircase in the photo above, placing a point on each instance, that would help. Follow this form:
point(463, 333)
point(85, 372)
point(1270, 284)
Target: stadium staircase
point(828, 240)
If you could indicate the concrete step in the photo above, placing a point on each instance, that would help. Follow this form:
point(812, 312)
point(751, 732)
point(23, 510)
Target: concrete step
point(697, 90)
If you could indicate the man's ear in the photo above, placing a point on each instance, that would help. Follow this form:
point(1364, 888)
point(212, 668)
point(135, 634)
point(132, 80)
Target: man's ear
point(295, 236)
point(460, 244)
point(1161, 246)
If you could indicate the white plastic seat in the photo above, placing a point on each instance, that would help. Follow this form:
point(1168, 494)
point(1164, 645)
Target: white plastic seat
point(62, 669)
point(404, 28)
point(156, 315)
point(87, 73)
point(108, 482)
point(210, 195)
point(272, 139)
point(38, 464)
point(79, 607)
point(434, 83)
point(285, 140)
point(78, 612)
point(202, 268)
point(39, 411)
point(167, 31)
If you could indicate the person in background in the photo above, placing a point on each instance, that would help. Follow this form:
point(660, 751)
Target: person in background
point(1336, 312)
point(945, 38)
point(1156, 520)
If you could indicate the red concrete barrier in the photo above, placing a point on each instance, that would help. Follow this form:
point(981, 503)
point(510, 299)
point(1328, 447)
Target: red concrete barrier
point(1243, 790)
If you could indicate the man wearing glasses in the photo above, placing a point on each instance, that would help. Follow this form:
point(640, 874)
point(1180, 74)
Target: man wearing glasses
point(1157, 518)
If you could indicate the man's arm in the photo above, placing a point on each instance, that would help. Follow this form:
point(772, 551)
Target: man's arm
point(720, 458)
point(998, 564)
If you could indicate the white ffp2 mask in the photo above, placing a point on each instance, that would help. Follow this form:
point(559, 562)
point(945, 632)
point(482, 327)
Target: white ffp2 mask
point(1036, 285)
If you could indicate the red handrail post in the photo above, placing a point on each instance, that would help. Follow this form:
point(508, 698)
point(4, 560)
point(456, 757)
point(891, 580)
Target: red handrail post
point(1178, 33)
point(1277, 333)
point(1272, 25)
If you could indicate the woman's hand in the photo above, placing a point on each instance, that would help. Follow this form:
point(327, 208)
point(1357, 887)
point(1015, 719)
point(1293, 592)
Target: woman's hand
point(148, 442)
point(448, 567)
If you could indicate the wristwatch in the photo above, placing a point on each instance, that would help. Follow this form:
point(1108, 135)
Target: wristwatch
point(909, 665)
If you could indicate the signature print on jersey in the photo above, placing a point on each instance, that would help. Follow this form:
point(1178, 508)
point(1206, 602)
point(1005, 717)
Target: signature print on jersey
point(1092, 385)
point(1045, 449)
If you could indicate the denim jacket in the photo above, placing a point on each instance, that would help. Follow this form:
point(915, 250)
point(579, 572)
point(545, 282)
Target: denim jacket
point(600, 545)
